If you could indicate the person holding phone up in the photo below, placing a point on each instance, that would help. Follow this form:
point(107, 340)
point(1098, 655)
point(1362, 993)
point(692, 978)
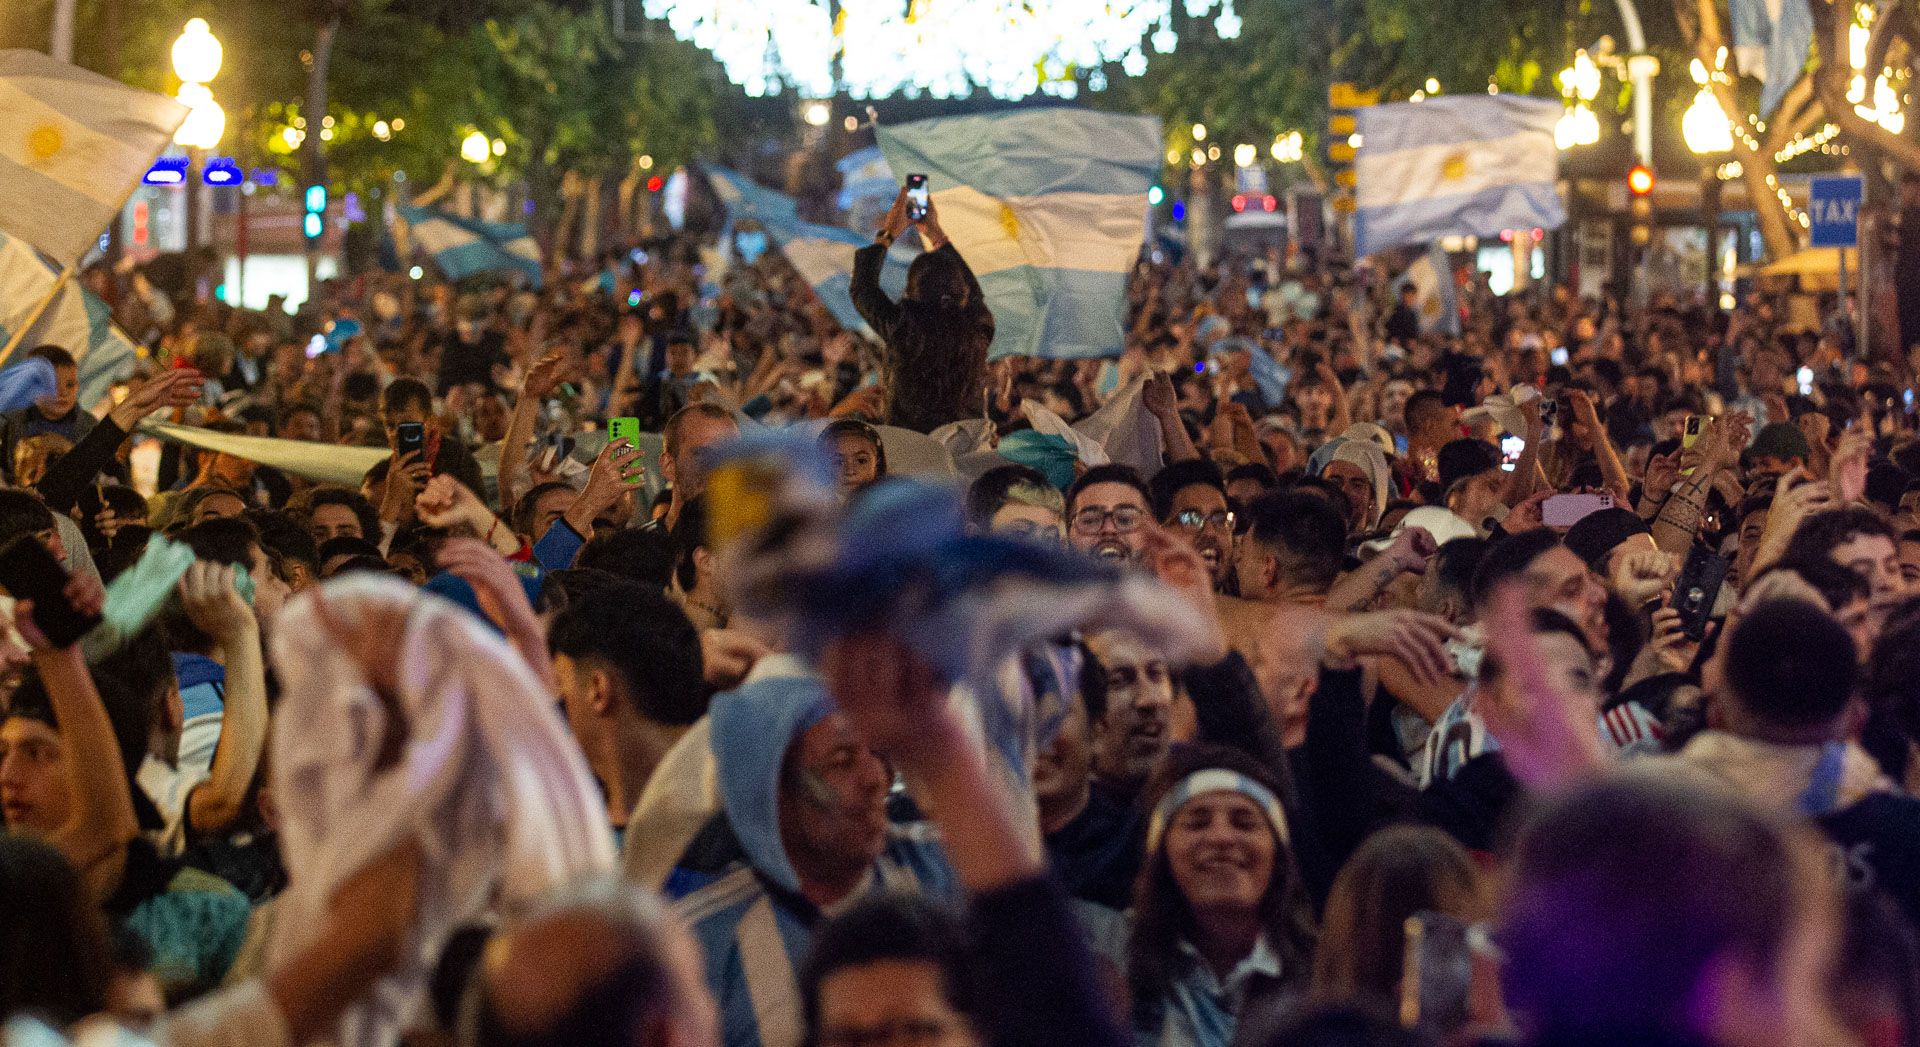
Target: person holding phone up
point(936, 335)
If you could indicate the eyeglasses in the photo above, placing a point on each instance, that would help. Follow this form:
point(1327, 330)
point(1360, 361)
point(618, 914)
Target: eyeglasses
point(1126, 518)
point(1195, 520)
point(908, 1032)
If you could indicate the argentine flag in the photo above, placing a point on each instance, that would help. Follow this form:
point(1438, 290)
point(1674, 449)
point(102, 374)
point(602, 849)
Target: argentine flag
point(1049, 208)
point(77, 320)
point(821, 254)
point(73, 144)
point(1458, 165)
point(463, 247)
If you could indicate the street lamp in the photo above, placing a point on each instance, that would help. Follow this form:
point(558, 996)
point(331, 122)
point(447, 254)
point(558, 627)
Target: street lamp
point(476, 148)
point(196, 61)
point(1580, 84)
point(1707, 131)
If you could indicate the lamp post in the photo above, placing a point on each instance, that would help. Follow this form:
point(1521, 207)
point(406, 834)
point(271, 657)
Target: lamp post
point(1708, 133)
point(196, 61)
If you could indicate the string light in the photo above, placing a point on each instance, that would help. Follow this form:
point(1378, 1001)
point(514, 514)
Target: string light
point(951, 48)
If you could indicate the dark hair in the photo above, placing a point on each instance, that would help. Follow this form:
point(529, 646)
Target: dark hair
point(1093, 682)
point(642, 556)
point(22, 512)
point(285, 539)
point(1306, 533)
point(362, 564)
point(1837, 585)
point(896, 926)
point(634, 630)
point(1509, 558)
point(670, 435)
point(1162, 918)
point(1455, 563)
point(1580, 874)
point(402, 393)
point(1459, 459)
point(855, 427)
point(227, 540)
point(1259, 472)
point(688, 534)
point(55, 355)
point(562, 588)
point(1791, 665)
point(1397, 872)
point(938, 279)
point(1344, 1025)
point(1111, 473)
point(1892, 683)
point(363, 510)
point(347, 545)
point(1821, 533)
point(287, 411)
point(992, 490)
point(55, 956)
point(522, 522)
point(1167, 484)
point(1422, 404)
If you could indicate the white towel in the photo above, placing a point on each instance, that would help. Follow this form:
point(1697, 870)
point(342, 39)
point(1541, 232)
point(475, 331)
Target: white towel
point(497, 793)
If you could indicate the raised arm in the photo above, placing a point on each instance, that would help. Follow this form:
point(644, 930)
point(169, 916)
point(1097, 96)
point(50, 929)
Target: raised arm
point(101, 822)
point(541, 379)
point(876, 308)
point(213, 604)
point(69, 477)
point(1611, 469)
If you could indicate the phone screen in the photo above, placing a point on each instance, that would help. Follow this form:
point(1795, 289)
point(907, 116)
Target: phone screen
point(1558, 357)
point(1511, 448)
point(409, 437)
point(916, 197)
point(1804, 378)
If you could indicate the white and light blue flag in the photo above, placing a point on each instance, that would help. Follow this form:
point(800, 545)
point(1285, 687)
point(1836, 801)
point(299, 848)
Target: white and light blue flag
point(76, 320)
point(821, 254)
point(1049, 208)
point(1770, 43)
point(463, 247)
point(73, 144)
point(867, 188)
point(1458, 165)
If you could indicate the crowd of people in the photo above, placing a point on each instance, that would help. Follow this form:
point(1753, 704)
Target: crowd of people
point(1555, 682)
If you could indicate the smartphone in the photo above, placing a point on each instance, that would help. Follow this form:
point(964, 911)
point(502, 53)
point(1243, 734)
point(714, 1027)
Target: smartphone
point(409, 437)
point(626, 428)
point(1565, 510)
point(1437, 972)
point(1690, 433)
point(1804, 378)
point(1511, 448)
point(1698, 590)
point(28, 571)
point(916, 197)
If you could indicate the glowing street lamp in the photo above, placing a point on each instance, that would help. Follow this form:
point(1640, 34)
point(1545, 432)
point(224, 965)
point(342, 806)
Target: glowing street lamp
point(476, 148)
point(197, 54)
point(1580, 84)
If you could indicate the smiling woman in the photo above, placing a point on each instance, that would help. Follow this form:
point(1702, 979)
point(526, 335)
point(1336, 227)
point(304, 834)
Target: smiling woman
point(1220, 919)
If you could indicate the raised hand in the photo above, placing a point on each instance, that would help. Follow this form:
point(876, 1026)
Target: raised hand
point(1644, 575)
point(1180, 567)
point(544, 376)
point(615, 471)
point(1417, 639)
point(213, 602)
point(179, 387)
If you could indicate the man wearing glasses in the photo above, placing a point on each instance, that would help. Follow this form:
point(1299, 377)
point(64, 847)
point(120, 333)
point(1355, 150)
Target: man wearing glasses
point(1107, 510)
point(1190, 500)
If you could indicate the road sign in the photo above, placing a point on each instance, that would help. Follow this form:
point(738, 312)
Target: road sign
point(1347, 96)
point(1834, 206)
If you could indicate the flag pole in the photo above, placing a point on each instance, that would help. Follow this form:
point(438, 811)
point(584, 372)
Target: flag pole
point(33, 318)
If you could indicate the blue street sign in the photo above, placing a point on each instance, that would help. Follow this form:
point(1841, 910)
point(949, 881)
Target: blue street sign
point(1833, 204)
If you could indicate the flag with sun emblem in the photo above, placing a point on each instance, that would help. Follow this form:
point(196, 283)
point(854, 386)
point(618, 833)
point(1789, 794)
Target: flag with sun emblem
point(73, 144)
point(1049, 208)
point(1457, 165)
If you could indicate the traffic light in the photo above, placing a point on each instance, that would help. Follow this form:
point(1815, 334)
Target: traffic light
point(315, 222)
point(1640, 204)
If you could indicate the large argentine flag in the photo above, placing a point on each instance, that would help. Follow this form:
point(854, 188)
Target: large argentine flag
point(464, 247)
point(1458, 165)
point(77, 321)
point(1049, 207)
point(73, 144)
point(821, 254)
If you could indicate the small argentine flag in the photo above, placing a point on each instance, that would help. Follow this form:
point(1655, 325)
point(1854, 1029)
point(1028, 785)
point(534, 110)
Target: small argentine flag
point(1049, 208)
point(76, 321)
point(1458, 165)
point(464, 247)
point(821, 254)
point(73, 144)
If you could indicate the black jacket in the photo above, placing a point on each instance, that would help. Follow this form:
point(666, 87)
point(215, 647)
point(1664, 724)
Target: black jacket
point(935, 362)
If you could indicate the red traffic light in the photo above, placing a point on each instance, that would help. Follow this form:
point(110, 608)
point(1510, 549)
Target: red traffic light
point(655, 184)
point(1640, 180)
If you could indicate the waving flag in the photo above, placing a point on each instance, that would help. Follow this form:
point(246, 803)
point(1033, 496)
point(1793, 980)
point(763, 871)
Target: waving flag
point(73, 144)
point(822, 254)
point(867, 188)
point(76, 320)
point(1458, 165)
point(464, 247)
point(1049, 207)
